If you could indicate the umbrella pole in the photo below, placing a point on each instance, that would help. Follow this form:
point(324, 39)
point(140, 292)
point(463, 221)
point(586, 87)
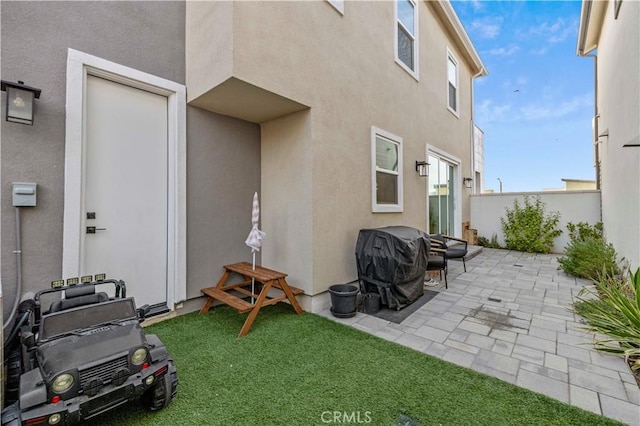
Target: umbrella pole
point(253, 280)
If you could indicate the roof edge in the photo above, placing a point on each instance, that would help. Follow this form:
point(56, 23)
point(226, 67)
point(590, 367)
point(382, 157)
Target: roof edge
point(591, 19)
point(462, 37)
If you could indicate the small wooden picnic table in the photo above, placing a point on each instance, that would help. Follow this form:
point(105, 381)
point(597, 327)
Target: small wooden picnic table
point(266, 278)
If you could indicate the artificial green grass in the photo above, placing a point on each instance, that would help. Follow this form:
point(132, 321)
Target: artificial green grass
point(299, 370)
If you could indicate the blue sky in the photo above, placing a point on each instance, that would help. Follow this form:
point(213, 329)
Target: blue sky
point(535, 106)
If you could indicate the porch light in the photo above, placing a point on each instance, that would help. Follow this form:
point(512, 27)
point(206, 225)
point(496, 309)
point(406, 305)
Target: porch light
point(422, 167)
point(19, 106)
point(467, 182)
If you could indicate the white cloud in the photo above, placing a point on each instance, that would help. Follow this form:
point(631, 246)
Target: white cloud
point(487, 112)
point(501, 51)
point(555, 32)
point(553, 110)
point(477, 5)
point(540, 51)
point(487, 27)
point(521, 80)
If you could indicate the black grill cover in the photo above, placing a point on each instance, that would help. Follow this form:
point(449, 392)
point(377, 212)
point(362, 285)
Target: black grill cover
point(392, 261)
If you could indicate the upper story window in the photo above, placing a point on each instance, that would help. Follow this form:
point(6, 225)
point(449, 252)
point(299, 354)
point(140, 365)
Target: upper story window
point(406, 35)
point(452, 83)
point(386, 176)
point(338, 5)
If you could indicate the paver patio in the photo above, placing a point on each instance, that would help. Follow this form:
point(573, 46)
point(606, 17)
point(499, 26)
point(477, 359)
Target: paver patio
point(508, 317)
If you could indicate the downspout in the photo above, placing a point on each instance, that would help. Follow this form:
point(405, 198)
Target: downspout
point(472, 166)
point(588, 4)
point(473, 147)
point(596, 119)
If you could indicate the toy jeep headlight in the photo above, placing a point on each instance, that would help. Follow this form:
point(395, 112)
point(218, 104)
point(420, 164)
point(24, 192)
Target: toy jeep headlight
point(62, 383)
point(54, 419)
point(139, 355)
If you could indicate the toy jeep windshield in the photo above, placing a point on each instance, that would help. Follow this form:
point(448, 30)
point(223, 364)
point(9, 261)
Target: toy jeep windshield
point(86, 355)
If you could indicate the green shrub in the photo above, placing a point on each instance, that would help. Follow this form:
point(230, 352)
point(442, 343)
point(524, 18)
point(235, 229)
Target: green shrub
point(587, 255)
point(582, 230)
point(528, 228)
point(484, 242)
point(613, 309)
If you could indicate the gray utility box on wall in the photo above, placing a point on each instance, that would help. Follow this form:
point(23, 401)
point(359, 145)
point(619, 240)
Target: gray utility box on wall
point(24, 194)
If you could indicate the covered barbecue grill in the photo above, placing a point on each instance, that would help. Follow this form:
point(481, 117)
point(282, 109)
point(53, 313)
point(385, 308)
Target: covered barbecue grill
point(392, 262)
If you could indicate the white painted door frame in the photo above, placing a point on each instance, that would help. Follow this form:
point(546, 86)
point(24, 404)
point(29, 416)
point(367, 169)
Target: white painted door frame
point(457, 201)
point(79, 65)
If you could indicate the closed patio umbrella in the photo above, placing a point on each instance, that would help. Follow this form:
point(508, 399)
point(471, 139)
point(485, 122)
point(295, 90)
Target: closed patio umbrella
point(254, 240)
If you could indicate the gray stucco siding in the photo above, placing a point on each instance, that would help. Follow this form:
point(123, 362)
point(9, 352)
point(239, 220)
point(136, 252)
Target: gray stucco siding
point(148, 36)
point(223, 153)
point(223, 158)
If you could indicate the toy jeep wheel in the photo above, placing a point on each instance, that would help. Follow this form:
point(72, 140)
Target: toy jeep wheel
point(11, 416)
point(161, 394)
point(14, 370)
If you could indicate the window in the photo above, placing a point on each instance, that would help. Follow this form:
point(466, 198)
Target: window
point(452, 83)
point(386, 176)
point(406, 40)
point(443, 189)
point(338, 5)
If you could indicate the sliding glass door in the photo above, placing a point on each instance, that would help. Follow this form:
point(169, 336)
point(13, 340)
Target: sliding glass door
point(441, 189)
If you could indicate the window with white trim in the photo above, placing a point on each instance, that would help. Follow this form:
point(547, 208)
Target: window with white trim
point(386, 172)
point(406, 34)
point(452, 83)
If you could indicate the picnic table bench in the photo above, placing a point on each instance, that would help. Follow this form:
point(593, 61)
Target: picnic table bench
point(266, 278)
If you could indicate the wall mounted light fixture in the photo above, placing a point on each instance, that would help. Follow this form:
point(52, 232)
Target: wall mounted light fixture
point(467, 182)
point(422, 167)
point(19, 106)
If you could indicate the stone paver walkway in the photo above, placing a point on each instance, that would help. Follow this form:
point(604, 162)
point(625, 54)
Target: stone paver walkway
point(508, 317)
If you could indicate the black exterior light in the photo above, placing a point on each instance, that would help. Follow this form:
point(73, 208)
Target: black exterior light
point(19, 106)
point(467, 182)
point(422, 167)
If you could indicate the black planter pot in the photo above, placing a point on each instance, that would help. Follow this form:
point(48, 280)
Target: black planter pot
point(371, 303)
point(343, 300)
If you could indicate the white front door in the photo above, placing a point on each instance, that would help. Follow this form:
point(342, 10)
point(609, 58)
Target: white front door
point(124, 209)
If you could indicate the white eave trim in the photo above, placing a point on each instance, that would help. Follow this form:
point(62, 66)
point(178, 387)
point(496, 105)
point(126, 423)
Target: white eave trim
point(591, 20)
point(461, 34)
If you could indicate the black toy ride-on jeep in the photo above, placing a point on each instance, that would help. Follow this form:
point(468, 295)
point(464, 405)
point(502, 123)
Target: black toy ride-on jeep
point(86, 355)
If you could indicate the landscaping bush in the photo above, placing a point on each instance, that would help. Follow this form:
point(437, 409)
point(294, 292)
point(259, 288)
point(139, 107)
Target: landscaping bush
point(587, 254)
point(528, 228)
point(613, 309)
point(484, 242)
point(583, 230)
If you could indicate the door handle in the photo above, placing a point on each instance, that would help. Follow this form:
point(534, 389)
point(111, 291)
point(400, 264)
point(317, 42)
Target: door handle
point(93, 229)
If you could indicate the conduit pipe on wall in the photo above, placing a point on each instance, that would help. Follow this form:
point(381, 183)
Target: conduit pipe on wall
point(18, 253)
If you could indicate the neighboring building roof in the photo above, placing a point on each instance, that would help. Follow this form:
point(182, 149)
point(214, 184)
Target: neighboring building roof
point(591, 19)
point(578, 180)
point(448, 15)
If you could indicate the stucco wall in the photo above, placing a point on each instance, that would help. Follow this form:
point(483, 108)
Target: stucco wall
point(223, 154)
point(35, 36)
point(343, 68)
point(223, 172)
point(574, 206)
point(619, 109)
point(287, 202)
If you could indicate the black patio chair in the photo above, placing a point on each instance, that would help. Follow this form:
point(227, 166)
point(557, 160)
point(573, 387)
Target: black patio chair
point(437, 260)
point(454, 251)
